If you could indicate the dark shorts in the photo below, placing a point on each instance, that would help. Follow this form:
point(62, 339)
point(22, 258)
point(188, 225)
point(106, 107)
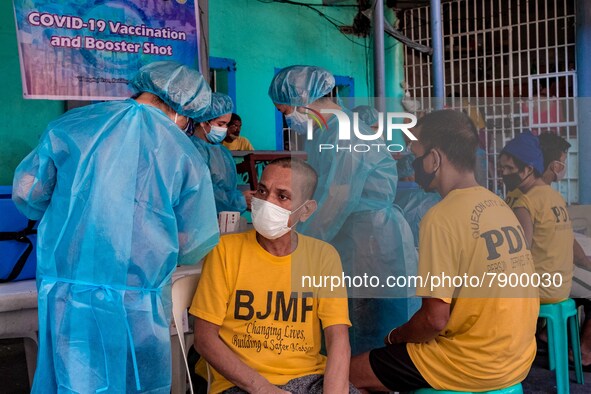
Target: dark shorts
point(309, 384)
point(394, 368)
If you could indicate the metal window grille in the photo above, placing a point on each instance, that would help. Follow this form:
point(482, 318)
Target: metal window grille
point(498, 56)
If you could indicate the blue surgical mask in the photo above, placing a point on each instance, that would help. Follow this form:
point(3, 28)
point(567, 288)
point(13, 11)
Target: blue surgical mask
point(297, 121)
point(217, 134)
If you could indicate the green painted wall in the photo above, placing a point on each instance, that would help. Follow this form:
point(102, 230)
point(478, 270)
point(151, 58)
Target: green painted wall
point(21, 121)
point(258, 36)
point(261, 36)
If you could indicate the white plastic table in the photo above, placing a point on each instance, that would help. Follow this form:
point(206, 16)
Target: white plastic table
point(18, 319)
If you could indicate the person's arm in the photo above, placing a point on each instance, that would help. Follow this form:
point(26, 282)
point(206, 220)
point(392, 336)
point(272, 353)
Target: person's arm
point(228, 199)
point(220, 356)
point(34, 181)
point(225, 181)
point(526, 222)
point(248, 194)
point(580, 259)
point(195, 213)
point(424, 325)
point(336, 374)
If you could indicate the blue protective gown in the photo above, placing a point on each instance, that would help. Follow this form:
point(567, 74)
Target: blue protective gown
point(356, 214)
point(415, 202)
point(223, 175)
point(123, 197)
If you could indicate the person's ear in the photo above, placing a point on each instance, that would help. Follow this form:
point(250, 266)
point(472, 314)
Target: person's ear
point(437, 158)
point(556, 166)
point(551, 168)
point(308, 209)
point(527, 171)
point(434, 160)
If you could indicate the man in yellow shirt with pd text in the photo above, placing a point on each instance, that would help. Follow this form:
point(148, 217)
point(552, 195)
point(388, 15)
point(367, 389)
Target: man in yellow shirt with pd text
point(472, 333)
point(542, 214)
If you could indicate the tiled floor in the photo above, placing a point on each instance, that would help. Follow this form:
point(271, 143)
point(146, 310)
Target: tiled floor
point(13, 372)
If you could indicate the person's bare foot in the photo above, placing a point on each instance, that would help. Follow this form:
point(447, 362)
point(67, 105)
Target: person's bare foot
point(586, 343)
point(585, 359)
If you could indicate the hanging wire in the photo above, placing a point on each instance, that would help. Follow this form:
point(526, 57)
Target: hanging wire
point(333, 21)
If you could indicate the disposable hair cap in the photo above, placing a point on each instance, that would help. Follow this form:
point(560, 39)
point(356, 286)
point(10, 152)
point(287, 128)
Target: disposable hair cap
point(300, 85)
point(180, 87)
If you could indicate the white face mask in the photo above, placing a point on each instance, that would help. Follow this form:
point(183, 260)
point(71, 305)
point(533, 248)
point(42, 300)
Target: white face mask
point(297, 121)
point(560, 174)
point(270, 220)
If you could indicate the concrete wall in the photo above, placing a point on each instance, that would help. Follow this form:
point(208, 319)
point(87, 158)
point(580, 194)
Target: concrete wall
point(21, 121)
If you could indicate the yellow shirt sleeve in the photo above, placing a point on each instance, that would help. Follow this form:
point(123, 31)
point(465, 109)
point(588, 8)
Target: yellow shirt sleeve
point(522, 202)
point(241, 143)
point(437, 254)
point(245, 144)
point(320, 260)
point(512, 197)
point(332, 305)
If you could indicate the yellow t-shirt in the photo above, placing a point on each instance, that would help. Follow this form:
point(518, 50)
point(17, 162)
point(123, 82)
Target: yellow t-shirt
point(248, 293)
point(240, 143)
point(512, 197)
point(489, 340)
point(552, 244)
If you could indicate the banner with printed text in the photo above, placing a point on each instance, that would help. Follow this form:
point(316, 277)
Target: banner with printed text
point(89, 49)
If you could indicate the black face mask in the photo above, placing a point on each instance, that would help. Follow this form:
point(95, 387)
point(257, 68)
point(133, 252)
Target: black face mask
point(512, 181)
point(422, 177)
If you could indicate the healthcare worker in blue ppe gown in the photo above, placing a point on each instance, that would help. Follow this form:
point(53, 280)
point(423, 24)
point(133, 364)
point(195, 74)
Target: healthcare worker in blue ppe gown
point(411, 198)
point(210, 131)
point(369, 115)
point(123, 197)
point(356, 211)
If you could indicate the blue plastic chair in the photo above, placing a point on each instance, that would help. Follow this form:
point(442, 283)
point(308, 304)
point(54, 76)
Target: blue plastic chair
point(515, 389)
point(559, 316)
point(11, 220)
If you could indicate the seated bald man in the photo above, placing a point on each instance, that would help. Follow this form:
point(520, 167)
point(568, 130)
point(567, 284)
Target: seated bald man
point(257, 326)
